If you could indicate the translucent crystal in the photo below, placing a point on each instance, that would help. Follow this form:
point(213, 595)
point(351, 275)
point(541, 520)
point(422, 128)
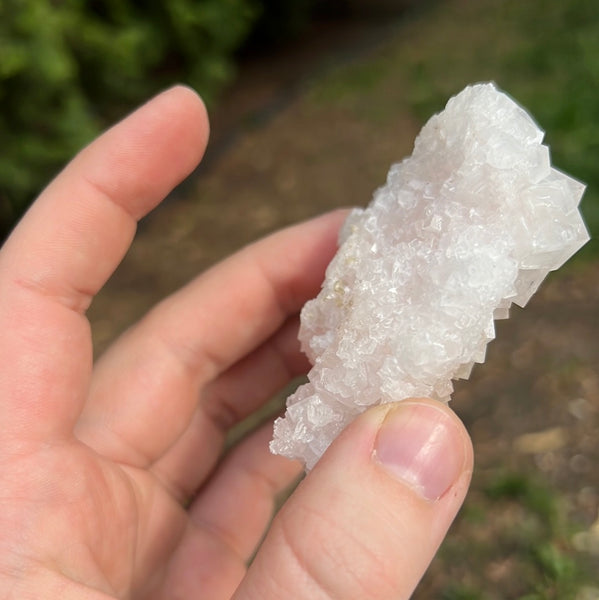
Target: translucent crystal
point(471, 222)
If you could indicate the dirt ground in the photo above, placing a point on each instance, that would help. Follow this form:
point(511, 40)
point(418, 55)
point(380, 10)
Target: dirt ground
point(282, 153)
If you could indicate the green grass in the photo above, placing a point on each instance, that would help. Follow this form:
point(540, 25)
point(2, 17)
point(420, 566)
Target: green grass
point(534, 496)
point(512, 540)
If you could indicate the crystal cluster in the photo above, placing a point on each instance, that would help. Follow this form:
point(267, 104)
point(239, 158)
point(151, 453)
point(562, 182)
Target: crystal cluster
point(471, 222)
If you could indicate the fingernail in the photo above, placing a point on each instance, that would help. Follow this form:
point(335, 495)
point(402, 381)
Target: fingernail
point(422, 446)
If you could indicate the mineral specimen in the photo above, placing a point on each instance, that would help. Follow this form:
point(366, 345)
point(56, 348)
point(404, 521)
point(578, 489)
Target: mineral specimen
point(471, 222)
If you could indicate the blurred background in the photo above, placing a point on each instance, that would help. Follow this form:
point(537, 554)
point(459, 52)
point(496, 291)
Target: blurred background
point(310, 102)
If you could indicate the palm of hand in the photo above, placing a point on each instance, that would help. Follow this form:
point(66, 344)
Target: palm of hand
point(115, 528)
point(77, 487)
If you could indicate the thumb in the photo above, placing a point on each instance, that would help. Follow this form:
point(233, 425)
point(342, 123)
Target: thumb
point(368, 519)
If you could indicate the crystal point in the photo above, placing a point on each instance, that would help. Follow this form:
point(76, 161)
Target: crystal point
point(469, 224)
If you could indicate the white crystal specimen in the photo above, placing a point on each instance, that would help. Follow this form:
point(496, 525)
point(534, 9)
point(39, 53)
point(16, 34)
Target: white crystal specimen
point(471, 222)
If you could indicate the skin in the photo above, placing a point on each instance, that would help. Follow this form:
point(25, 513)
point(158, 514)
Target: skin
point(114, 484)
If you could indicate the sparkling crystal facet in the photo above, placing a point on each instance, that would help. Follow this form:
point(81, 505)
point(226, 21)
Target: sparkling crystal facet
point(470, 223)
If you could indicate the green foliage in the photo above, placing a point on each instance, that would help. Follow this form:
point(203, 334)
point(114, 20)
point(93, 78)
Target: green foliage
point(541, 534)
point(556, 565)
point(518, 486)
point(69, 67)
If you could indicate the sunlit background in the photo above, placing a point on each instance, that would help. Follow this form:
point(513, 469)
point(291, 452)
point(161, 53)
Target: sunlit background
point(310, 102)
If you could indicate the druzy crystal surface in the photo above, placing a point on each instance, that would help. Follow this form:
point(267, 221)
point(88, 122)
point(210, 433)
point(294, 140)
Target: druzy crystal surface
point(469, 224)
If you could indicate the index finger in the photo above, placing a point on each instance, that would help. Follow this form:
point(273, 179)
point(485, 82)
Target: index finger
point(70, 242)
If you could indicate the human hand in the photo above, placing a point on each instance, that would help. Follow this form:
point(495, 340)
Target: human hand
point(113, 484)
